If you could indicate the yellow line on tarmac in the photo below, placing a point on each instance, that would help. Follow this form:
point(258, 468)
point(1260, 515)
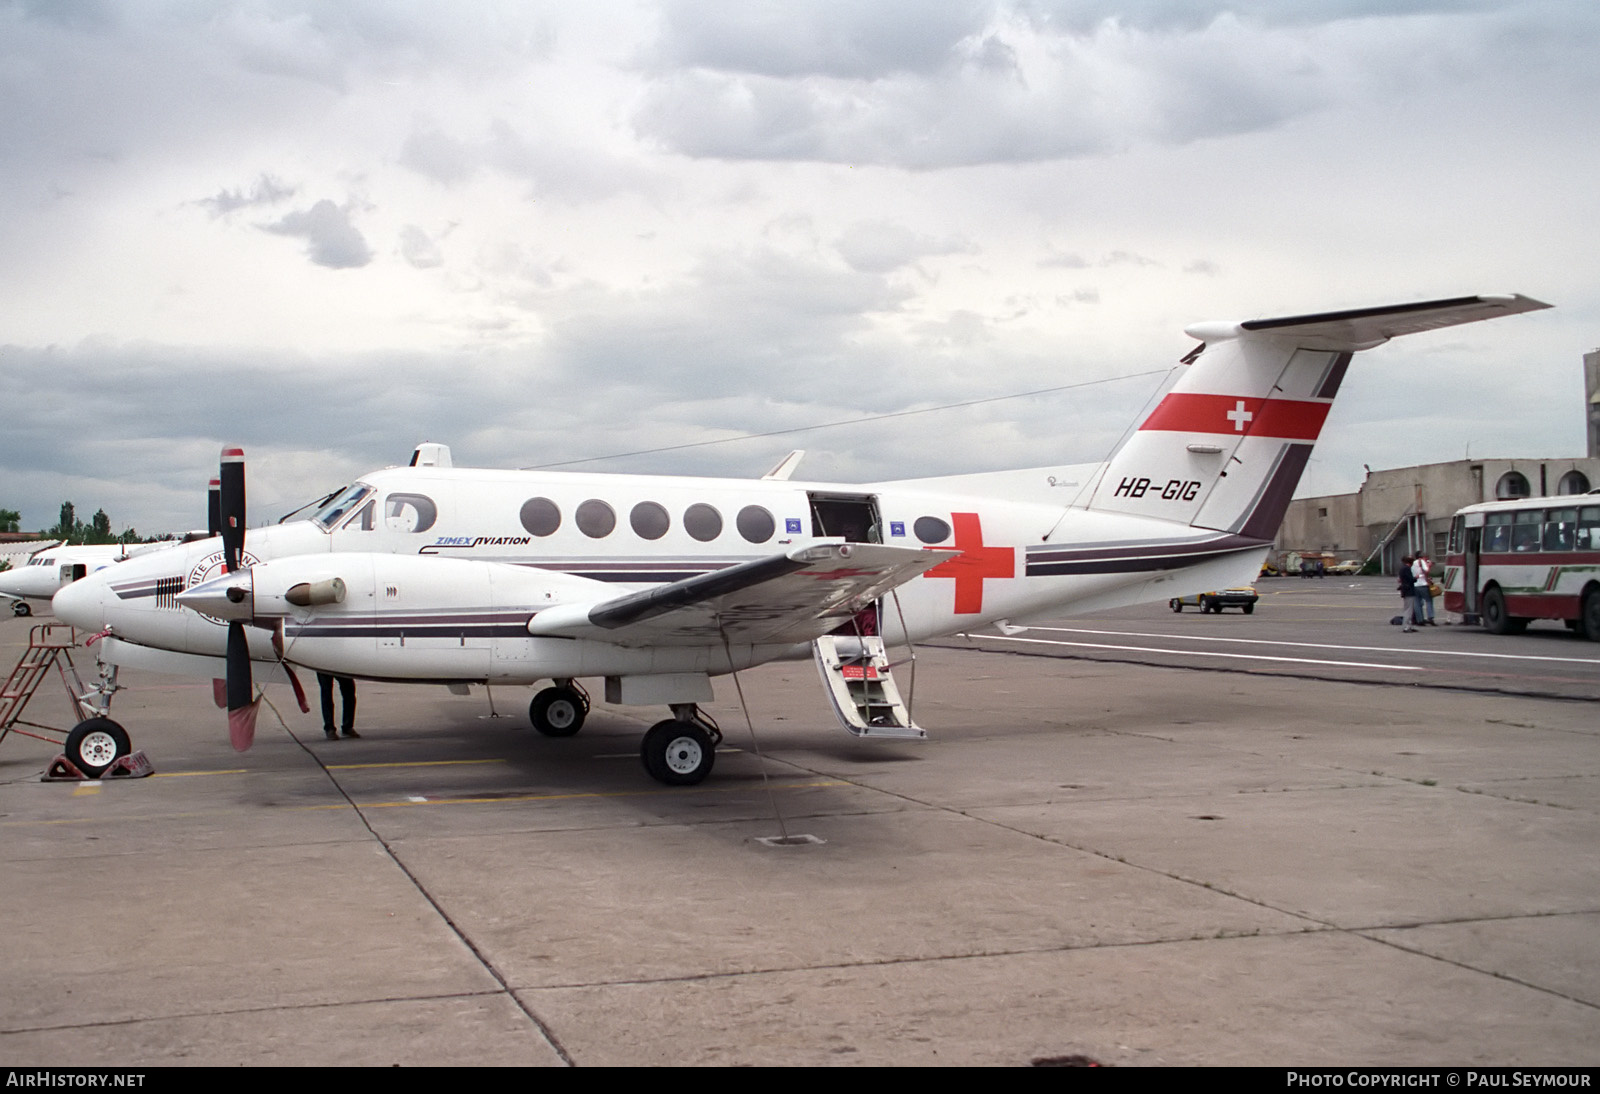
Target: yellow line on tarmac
point(186, 774)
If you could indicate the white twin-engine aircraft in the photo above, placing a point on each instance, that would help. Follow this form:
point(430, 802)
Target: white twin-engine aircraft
point(437, 574)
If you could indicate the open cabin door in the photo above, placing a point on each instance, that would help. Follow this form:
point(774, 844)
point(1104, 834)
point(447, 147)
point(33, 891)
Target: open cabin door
point(852, 661)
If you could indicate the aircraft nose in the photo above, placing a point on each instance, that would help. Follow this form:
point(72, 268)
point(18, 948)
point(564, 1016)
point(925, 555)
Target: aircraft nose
point(11, 583)
point(82, 604)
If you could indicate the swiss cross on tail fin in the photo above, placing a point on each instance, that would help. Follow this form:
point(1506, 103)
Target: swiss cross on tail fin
point(976, 562)
point(1188, 412)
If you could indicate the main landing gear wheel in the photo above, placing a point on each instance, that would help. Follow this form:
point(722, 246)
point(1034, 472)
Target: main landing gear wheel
point(677, 753)
point(96, 744)
point(22, 607)
point(558, 711)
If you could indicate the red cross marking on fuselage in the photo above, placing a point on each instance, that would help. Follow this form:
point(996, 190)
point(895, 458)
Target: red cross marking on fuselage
point(975, 562)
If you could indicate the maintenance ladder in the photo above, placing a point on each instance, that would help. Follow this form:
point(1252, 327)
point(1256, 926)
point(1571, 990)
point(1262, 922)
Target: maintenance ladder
point(49, 645)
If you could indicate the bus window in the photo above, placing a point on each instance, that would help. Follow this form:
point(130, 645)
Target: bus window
point(1456, 527)
point(1526, 531)
point(1560, 529)
point(1589, 528)
point(1497, 532)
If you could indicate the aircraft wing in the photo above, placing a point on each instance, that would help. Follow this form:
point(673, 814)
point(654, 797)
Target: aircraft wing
point(785, 598)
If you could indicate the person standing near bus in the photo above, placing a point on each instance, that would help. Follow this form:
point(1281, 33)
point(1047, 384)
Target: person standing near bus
point(1408, 593)
point(1423, 604)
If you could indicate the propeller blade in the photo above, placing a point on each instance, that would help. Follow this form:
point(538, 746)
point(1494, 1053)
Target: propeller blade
point(241, 708)
point(231, 507)
point(214, 508)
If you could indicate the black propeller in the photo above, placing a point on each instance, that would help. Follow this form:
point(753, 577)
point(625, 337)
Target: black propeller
point(240, 687)
point(214, 508)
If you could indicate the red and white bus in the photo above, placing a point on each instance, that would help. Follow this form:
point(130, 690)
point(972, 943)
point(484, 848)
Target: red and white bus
point(1511, 562)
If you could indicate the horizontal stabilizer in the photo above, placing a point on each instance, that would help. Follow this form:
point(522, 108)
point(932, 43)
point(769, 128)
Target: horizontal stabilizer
point(786, 598)
point(1363, 328)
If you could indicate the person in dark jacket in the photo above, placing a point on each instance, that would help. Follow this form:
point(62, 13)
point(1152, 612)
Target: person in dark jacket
point(1408, 594)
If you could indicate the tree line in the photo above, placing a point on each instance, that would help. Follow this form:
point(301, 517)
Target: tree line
point(70, 529)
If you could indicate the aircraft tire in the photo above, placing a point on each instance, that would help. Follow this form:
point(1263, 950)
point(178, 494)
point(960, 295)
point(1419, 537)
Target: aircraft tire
point(95, 744)
point(22, 608)
point(557, 712)
point(677, 753)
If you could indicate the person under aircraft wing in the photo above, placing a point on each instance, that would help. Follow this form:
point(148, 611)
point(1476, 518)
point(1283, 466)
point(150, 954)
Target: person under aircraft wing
point(782, 599)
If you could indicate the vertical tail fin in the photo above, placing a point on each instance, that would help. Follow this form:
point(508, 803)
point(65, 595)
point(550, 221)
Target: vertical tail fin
point(1226, 446)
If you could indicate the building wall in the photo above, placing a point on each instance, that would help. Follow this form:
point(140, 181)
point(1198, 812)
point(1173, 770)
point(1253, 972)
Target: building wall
point(1591, 400)
point(1408, 509)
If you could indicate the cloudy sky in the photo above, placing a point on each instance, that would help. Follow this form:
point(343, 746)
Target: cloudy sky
point(546, 232)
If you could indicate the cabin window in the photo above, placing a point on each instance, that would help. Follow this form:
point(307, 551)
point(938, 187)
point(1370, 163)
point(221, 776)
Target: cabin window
point(931, 530)
point(755, 524)
point(409, 513)
point(540, 516)
point(702, 522)
point(339, 505)
point(596, 519)
point(649, 520)
point(363, 519)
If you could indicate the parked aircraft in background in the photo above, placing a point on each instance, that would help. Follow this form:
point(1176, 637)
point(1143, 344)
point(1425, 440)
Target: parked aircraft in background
point(437, 574)
point(50, 568)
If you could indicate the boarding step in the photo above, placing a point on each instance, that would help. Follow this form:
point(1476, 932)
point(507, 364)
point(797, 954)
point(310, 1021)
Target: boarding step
point(855, 674)
point(49, 647)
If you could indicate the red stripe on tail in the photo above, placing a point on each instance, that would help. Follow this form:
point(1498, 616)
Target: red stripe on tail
point(1238, 416)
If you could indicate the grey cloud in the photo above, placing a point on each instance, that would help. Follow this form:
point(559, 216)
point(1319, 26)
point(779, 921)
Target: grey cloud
point(1061, 81)
point(332, 240)
point(1084, 16)
point(266, 190)
point(841, 38)
point(419, 249)
point(879, 246)
point(439, 156)
point(556, 165)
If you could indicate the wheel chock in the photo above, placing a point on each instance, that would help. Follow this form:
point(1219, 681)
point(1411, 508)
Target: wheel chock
point(135, 765)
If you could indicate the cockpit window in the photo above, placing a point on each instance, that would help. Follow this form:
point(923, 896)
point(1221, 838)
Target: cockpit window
point(409, 513)
point(335, 510)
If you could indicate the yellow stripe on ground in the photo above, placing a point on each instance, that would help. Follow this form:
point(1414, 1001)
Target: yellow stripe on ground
point(186, 774)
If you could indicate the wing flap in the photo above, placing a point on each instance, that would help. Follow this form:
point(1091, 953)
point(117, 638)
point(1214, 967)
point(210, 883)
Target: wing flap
point(786, 598)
